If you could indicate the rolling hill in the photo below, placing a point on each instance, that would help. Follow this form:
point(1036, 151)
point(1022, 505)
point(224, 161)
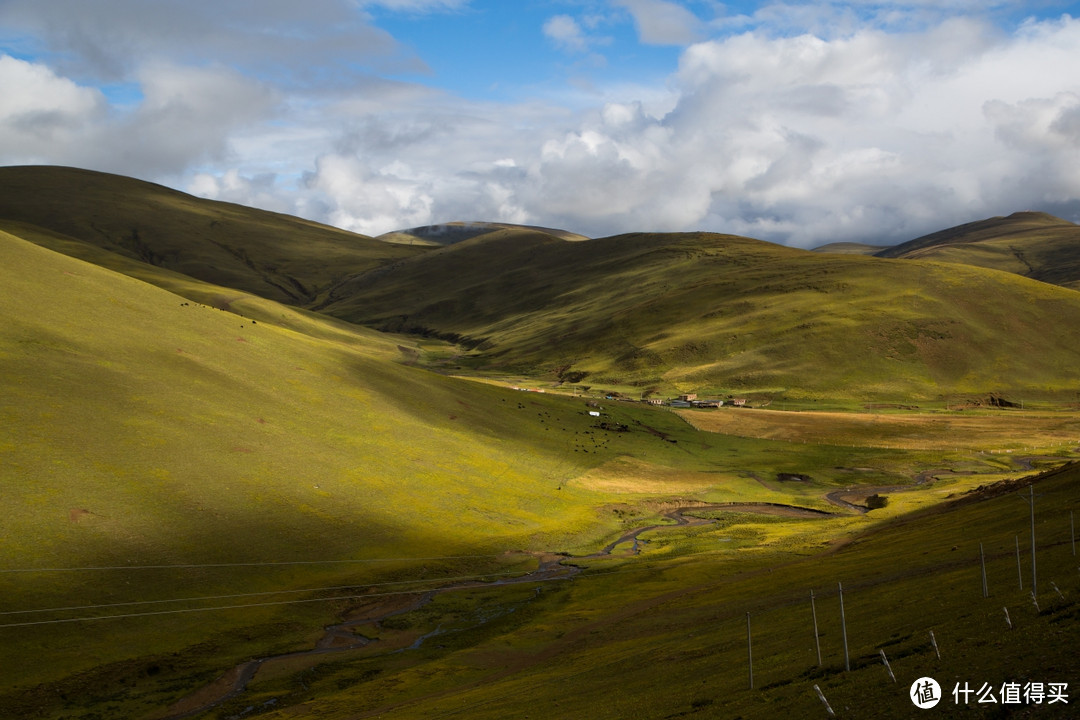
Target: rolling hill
point(141, 428)
point(640, 313)
point(455, 232)
point(711, 313)
point(276, 256)
point(850, 248)
point(1032, 244)
point(243, 488)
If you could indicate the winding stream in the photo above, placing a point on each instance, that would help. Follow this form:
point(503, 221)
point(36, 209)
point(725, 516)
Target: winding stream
point(340, 637)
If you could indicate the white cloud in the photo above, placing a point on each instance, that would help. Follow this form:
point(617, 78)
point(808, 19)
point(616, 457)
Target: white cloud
point(317, 42)
point(661, 22)
point(876, 136)
point(416, 5)
point(40, 111)
point(188, 114)
point(566, 33)
point(805, 138)
point(371, 201)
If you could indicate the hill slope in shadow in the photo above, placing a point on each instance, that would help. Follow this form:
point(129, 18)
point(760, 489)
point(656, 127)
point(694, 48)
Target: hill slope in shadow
point(276, 256)
point(1032, 244)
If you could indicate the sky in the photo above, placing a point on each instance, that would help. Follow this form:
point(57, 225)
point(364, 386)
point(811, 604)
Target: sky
point(796, 122)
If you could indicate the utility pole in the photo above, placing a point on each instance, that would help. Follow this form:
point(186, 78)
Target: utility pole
point(843, 627)
point(1019, 574)
point(982, 561)
point(749, 652)
point(1031, 502)
point(1072, 533)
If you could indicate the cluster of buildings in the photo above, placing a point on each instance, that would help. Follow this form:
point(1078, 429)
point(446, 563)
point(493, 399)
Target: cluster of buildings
point(687, 401)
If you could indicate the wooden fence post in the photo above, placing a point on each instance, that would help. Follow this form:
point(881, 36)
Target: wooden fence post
point(843, 628)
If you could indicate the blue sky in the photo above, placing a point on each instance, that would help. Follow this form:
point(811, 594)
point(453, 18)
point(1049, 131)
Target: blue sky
point(795, 122)
point(500, 51)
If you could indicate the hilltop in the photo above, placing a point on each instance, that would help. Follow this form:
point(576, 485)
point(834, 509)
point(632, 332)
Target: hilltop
point(719, 313)
point(276, 256)
point(850, 248)
point(643, 313)
point(455, 232)
point(250, 470)
point(1033, 244)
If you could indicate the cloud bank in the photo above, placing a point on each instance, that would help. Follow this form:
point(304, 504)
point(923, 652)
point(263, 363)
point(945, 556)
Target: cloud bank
point(867, 133)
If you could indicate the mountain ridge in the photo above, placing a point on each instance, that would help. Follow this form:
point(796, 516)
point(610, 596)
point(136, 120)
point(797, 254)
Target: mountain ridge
point(644, 312)
point(274, 255)
point(1028, 243)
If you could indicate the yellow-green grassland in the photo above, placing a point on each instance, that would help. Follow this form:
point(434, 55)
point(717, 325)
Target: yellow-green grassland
point(257, 467)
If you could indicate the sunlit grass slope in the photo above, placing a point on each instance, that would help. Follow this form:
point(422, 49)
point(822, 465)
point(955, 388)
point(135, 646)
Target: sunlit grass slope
point(664, 634)
point(1032, 244)
point(277, 256)
point(713, 313)
point(140, 426)
point(170, 421)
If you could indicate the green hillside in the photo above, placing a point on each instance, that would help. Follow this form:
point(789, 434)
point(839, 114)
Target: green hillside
point(643, 313)
point(455, 232)
point(166, 419)
point(664, 635)
point(850, 248)
point(141, 428)
point(1032, 244)
point(718, 314)
point(226, 499)
point(276, 256)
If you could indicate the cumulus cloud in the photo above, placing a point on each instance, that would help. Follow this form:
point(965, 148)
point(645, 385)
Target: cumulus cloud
point(661, 22)
point(40, 110)
point(565, 32)
point(875, 134)
point(417, 5)
point(314, 42)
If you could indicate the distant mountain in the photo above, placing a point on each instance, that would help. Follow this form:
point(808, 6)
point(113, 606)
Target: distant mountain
point(698, 312)
point(850, 248)
point(276, 256)
point(711, 313)
point(1032, 244)
point(454, 232)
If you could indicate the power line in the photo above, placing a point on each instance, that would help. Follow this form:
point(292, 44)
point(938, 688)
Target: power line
point(208, 609)
point(252, 564)
point(255, 594)
point(282, 602)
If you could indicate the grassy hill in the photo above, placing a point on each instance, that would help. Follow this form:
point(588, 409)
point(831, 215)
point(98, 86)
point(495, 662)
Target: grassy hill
point(276, 256)
point(138, 427)
point(1032, 244)
point(201, 478)
point(850, 248)
point(710, 313)
point(155, 442)
point(641, 313)
point(664, 634)
point(455, 232)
